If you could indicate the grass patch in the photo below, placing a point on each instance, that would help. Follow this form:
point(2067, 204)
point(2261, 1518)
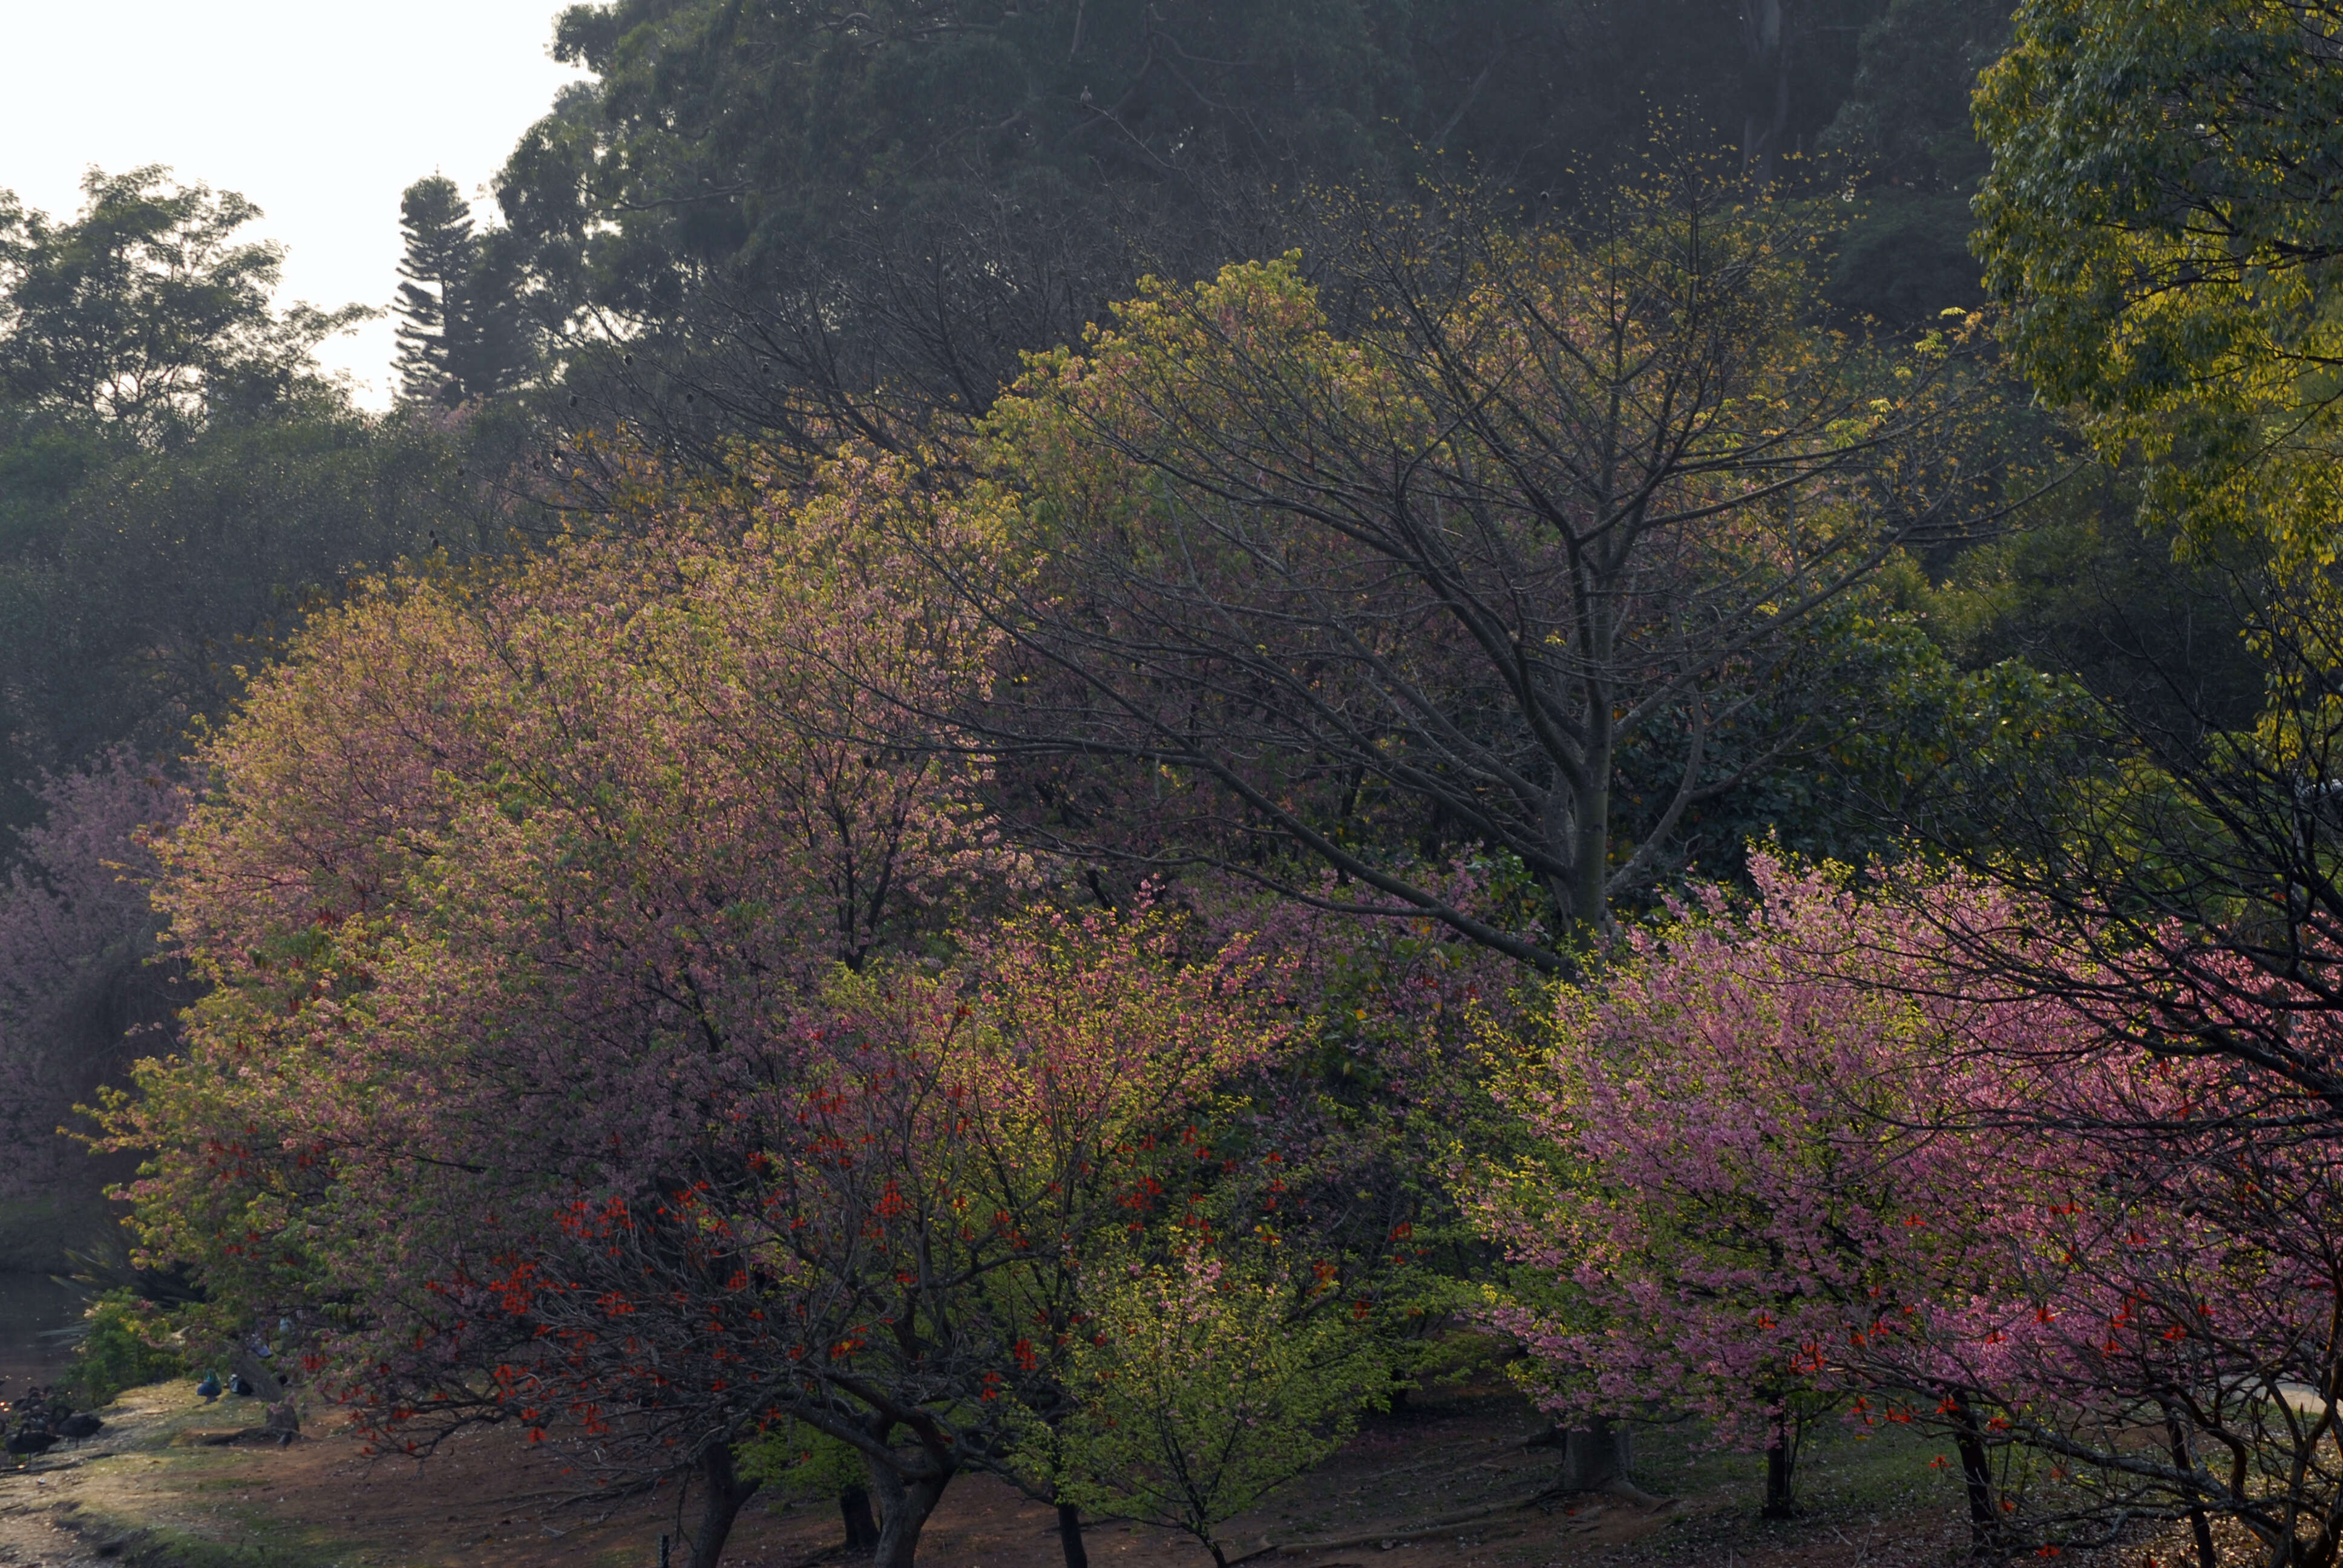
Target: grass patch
point(251, 1540)
point(1845, 1479)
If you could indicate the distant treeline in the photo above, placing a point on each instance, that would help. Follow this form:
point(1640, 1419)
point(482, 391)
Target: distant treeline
point(799, 224)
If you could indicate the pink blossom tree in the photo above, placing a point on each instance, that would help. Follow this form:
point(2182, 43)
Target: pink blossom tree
point(82, 982)
point(887, 1241)
point(1743, 1172)
point(508, 888)
point(1810, 1152)
point(2164, 1334)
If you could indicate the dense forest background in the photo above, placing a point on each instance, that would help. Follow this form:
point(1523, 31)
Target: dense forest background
point(782, 223)
point(1385, 661)
point(779, 227)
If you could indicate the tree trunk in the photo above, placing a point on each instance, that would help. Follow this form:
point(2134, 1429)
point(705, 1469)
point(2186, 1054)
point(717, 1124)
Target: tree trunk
point(1591, 898)
point(725, 1492)
point(1594, 1456)
point(1976, 1475)
point(1765, 29)
point(2199, 1526)
point(1069, 1536)
point(1781, 1503)
point(862, 1529)
point(1576, 826)
point(266, 1386)
point(1781, 1454)
point(904, 1504)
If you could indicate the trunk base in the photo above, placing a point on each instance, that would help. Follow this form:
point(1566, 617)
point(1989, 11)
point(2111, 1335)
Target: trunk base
point(1780, 1503)
point(1069, 1536)
point(904, 1504)
point(862, 1528)
point(1594, 1457)
point(726, 1495)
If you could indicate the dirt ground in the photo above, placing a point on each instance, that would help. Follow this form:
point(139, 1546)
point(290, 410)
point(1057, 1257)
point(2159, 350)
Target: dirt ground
point(151, 1492)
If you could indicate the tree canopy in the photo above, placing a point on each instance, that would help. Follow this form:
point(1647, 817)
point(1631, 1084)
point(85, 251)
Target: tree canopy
point(2157, 222)
point(1073, 738)
point(145, 311)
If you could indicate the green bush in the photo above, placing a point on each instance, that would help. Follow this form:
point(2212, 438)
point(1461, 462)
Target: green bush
point(801, 1464)
point(123, 1345)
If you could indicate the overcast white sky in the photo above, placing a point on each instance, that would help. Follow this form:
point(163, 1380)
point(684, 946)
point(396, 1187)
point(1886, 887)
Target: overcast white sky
point(321, 111)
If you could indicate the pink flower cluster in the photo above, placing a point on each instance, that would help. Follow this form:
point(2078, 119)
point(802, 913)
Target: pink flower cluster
point(80, 984)
point(1824, 1151)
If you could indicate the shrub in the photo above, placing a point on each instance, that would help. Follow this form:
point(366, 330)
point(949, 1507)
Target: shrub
point(123, 1345)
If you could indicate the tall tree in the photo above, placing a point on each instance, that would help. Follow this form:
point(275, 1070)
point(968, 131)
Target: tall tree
point(2160, 220)
point(146, 312)
point(814, 217)
point(1363, 596)
point(434, 307)
point(456, 338)
point(1934, 1159)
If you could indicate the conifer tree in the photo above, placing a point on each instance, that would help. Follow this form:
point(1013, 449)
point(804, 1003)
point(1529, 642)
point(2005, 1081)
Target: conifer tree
point(439, 329)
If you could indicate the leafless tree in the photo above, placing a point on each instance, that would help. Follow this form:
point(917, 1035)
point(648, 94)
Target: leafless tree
point(1410, 553)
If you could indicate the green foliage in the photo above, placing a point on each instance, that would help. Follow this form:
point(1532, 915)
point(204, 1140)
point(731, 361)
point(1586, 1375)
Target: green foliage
point(2165, 270)
point(716, 131)
point(1885, 718)
point(1906, 257)
point(1904, 135)
point(800, 1463)
point(137, 585)
point(145, 310)
point(180, 481)
point(717, 134)
point(124, 1342)
point(1906, 122)
point(813, 219)
point(2087, 591)
point(1207, 1385)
